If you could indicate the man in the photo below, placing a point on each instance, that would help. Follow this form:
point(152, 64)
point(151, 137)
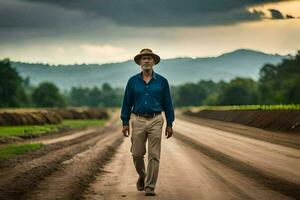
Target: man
point(147, 94)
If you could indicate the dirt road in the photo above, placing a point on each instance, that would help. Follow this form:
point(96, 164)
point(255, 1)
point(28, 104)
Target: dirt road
point(198, 162)
point(206, 163)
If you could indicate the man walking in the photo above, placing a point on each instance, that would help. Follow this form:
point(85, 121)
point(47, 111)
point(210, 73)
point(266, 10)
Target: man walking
point(147, 94)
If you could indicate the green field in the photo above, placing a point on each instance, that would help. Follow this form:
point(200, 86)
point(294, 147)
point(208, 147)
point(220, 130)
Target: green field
point(11, 150)
point(33, 130)
point(247, 107)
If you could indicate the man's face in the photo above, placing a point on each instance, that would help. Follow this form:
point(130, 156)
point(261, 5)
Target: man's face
point(147, 62)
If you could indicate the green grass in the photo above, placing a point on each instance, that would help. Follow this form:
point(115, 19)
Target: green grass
point(11, 150)
point(32, 130)
point(82, 123)
point(27, 130)
point(247, 107)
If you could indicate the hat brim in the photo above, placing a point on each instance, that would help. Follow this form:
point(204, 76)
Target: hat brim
point(156, 58)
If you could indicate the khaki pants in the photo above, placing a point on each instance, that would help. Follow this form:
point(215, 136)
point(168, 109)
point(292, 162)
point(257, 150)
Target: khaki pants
point(143, 129)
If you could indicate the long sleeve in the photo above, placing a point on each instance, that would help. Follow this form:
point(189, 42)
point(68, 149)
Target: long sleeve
point(127, 104)
point(167, 105)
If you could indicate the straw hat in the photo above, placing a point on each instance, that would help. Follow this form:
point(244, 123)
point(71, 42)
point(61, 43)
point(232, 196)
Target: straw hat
point(147, 52)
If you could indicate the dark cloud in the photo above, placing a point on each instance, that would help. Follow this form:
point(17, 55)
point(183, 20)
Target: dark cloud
point(29, 15)
point(259, 12)
point(137, 12)
point(16, 13)
point(276, 14)
point(21, 20)
point(290, 17)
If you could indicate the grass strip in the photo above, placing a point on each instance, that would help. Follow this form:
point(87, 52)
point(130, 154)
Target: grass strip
point(11, 150)
point(246, 107)
point(35, 130)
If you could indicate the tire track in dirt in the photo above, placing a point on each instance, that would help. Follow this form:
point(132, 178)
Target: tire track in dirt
point(275, 183)
point(21, 159)
point(185, 173)
point(17, 180)
point(281, 138)
point(76, 173)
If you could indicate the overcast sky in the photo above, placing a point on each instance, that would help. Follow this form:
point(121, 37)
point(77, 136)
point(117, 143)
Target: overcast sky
point(101, 31)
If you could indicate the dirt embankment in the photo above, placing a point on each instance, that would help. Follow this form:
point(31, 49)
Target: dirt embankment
point(275, 120)
point(48, 116)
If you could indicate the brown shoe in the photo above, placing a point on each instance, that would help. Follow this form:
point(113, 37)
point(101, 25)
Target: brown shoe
point(140, 184)
point(149, 192)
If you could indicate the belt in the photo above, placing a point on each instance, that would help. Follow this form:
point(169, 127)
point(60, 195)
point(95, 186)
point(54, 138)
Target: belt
point(147, 115)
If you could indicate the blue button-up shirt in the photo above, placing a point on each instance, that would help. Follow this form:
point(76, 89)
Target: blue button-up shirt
point(141, 97)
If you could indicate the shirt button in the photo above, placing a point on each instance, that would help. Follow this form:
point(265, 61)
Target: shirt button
point(146, 85)
point(146, 93)
point(145, 102)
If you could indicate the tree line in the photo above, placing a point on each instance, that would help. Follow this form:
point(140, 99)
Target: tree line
point(277, 84)
point(18, 92)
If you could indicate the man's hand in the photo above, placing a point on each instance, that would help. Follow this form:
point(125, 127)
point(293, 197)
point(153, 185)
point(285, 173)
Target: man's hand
point(169, 132)
point(126, 131)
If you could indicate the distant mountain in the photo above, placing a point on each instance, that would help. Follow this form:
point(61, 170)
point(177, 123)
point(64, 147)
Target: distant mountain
point(242, 62)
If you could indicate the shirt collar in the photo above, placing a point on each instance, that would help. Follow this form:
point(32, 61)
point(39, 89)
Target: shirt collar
point(153, 75)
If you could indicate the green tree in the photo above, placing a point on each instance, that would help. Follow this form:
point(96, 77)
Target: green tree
point(238, 91)
point(189, 94)
point(267, 84)
point(280, 83)
point(12, 93)
point(95, 97)
point(105, 96)
point(79, 96)
point(110, 96)
point(47, 95)
point(212, 91)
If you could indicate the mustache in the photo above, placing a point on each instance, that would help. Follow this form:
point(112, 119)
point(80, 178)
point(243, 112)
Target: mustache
point(146, 66)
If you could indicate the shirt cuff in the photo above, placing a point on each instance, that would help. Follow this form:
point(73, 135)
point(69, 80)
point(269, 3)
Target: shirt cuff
point(170, 124)
point(125, 123)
